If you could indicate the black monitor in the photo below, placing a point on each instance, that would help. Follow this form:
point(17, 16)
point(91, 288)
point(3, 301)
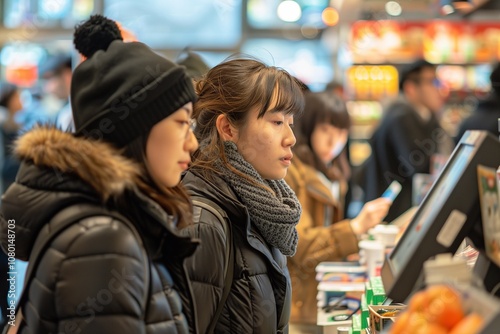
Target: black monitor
point(449, 213)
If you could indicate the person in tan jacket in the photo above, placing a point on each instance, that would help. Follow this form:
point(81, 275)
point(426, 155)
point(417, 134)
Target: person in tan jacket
point(318, 183)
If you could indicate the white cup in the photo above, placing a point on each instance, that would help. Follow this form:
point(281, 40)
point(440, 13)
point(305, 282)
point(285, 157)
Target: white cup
point(371, 255)
point(386, 234)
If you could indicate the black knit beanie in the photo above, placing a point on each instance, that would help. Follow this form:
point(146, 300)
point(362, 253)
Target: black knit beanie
point(122, 89)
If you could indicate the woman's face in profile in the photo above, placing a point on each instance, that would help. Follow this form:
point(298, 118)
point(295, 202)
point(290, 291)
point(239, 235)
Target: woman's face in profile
point(327, 141)
point(266, 143)
point(169, 147)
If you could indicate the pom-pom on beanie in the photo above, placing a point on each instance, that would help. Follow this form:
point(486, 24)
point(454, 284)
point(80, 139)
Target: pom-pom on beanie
point(122, 89)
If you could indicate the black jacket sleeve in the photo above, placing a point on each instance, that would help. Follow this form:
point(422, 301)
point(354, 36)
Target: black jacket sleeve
point(206, 268)
point(98, 274)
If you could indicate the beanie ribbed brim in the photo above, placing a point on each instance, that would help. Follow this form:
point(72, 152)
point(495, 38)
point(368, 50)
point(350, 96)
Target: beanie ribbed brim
point(135, 116)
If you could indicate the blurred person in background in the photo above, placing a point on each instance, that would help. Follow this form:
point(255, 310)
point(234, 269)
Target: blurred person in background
point(486, 114)
point(244, 117)
point(324, 235)
point(351, 204)
point(196, 67)
point(34, 111)
point(10, 105)
point(336, 88)
point(56, 74)
point(408, 135)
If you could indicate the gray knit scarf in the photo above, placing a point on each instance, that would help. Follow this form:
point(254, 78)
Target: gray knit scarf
point(275, 214)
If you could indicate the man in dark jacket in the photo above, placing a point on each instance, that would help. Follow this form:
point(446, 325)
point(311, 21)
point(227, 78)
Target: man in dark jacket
point(487, 112)
point(406, 138)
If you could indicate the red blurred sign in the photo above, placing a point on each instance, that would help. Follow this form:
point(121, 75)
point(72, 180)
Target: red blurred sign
point(437, 41)
point(23, 76)
point(380, 42)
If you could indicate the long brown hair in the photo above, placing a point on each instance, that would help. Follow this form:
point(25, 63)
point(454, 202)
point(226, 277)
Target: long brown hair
point(233, 88)
point(175, 201)
point(320, 108)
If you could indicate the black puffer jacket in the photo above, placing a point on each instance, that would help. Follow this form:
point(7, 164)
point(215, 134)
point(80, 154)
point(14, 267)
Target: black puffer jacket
point(93, 278)
point(260, 297)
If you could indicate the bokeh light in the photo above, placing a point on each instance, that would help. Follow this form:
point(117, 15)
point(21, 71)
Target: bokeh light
point(289, 11)
point(330, 16)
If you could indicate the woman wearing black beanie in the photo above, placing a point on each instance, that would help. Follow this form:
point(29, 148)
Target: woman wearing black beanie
point(96, 212)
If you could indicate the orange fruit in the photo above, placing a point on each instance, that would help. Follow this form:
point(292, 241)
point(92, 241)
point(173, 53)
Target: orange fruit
point(445, 314)
point(416, 321)
point(432, 329)
point(444, 307)
point(443, 292)
point(401, 324)
point(471, 324)
point(418, 302)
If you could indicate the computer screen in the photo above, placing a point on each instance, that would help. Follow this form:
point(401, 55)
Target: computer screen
point(176, 24)
point(308, 60)
point(446, 216)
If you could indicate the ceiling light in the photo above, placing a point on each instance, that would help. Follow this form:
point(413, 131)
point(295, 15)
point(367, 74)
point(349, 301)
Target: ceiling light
point(393, 8)
point(289, 11)
point(447, 9)
point(330, 16)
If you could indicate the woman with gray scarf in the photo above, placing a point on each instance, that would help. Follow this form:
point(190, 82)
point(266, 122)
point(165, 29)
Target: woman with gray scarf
point(244, 213)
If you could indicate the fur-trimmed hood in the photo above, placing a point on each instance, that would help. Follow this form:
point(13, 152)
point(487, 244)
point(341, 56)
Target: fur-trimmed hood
point(95, 163)
point(58, 170)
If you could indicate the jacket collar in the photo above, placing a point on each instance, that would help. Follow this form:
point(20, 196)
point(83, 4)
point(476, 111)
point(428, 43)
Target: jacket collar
point(161, 237)
point(218, 191)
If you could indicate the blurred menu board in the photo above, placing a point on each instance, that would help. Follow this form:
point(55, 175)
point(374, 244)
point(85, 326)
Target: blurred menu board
point(487, 42)
point(23, 76)
point(436, 41)
point(371, 82)
point(386, 41)
point(456, 42)
point(19, 63)
point(468, 78)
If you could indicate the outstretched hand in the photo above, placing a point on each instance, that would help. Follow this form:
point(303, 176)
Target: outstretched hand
point(371, 214)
